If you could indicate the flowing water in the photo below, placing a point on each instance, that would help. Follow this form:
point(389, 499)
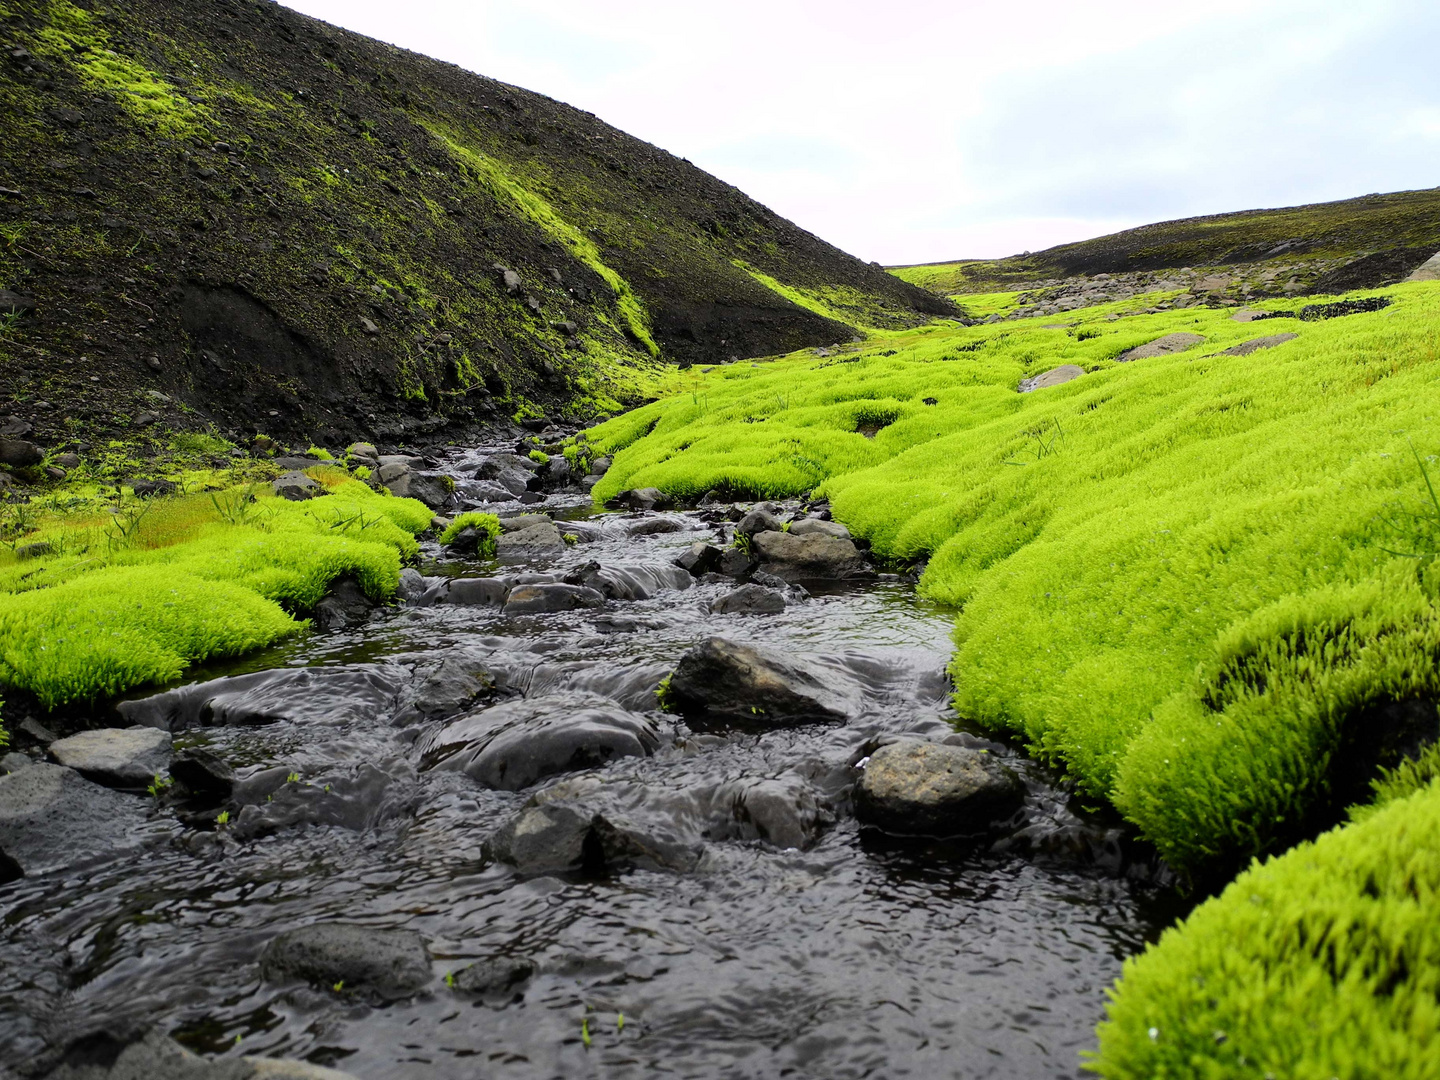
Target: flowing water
point(860, 955)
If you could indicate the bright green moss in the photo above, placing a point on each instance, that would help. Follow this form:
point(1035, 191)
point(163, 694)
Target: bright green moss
point(1106, 538)
point(494, 175)
point(539, 457)
point(178, 581)
point(487, 524)
point(1323, 962)
point(802, 297)
point(72, 36)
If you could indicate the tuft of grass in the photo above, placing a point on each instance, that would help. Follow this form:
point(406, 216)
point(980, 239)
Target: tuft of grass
point(539, 457)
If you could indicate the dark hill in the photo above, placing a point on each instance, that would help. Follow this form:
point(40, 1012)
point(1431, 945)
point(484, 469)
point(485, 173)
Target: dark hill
point(287, 226)
point(1351, 244)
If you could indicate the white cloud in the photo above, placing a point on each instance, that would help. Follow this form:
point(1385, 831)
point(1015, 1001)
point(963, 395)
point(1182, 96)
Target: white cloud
point(919, 131)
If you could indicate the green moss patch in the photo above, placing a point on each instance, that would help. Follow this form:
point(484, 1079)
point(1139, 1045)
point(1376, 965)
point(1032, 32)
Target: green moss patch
point(162, 585)
point(488, 525)
point(1322, 962)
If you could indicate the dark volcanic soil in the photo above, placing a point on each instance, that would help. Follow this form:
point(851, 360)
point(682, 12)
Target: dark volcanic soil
point(268, 219)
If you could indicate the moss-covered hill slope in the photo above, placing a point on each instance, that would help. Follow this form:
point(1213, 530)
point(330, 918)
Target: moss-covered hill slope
point(289, 226)
point(1330, 247)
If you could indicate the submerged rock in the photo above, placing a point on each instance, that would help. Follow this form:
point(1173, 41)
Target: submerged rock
point(332, 696)
point(387, 963)
point(809, 557)
point(629, 582)
point(758, 685)
point(518, 743)
point(52, 818)
point(476, 592)
point(460, 680)
point(544, 599)
point(357, 798)
point(117, 757)
point(203, 775)
point(498, 976)
point(155, 1056)
point(930, 788)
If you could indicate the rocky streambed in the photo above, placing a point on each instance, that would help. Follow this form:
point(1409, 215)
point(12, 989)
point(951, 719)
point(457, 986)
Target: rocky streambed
point(460, 837)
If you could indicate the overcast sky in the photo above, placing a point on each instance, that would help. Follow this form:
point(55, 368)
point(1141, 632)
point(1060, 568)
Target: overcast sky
point(912, 131)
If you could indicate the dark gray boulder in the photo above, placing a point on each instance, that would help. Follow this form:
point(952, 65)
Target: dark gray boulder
point(459, 681)
point(52, 818)
point(202, 775)
point(750, 600)
point(154, 1056)
point(699, 558)
point(545, 599)
point(761, 686)
point(639, 499)
point(296, 487)
point(116, 757)
point(355, 798)
point(487, 977)
point(433, 491)
point(758, 520)
point(476, 592)
point(20, 454)
point(657, 526)
point(576, 824)
point(540, 539)
point(344, 604)
point(735, 562)
point(929, 788)
point(389, 964)
point(808, 558)
point(518, 743)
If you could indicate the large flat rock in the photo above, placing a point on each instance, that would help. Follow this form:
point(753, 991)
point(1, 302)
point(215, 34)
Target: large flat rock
point(761, 686)
point(809, 557)
point(1162, 346)
point(117, 757)
point(52, 818)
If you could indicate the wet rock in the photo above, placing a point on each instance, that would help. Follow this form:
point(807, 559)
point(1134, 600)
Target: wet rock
point(818, 527)
point(1162, 346)
point(116, 757)
point(759, 685)
point(52, 818)
point(412, 587)
point(296, 487)
point(554, 474)
point(1054, 377)
point(155, 1056)
point(782, 812)
point(508, 471)
point(657, 526)
point(639, 499)
point(356, 799)
point(390, 964)
point(734, 563)
point(758, 521)
point(486, 491)
point(206, 777)
point(930, 788)
point(539, 539)
point(457, 684)
point(19, 454)
point(699, 558)
point(498, 976)
point(808, 557)
point(476, 592)
point(521, 522)
point(750, 600)
point(1256, 344)
point(518, 743)
point(572, 826)
point(430, 490)
point(468, 541)
point(331, 696)
point(345, 604)
point(629, 582)
point(545, 599)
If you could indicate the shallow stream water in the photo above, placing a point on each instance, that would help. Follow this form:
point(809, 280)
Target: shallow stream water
point(860, 955)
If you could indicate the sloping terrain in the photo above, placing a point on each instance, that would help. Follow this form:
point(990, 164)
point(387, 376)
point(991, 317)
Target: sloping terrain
point(1324, 247)
point(285, 226)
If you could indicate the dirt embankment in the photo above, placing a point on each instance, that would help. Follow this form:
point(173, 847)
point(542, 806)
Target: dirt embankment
point(290, 228)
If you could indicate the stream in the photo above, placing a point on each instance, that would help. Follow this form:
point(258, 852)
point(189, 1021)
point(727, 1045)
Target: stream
point(755, 930)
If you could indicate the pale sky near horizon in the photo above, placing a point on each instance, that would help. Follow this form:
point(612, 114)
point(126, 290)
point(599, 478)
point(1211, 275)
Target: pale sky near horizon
point(913, 131)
